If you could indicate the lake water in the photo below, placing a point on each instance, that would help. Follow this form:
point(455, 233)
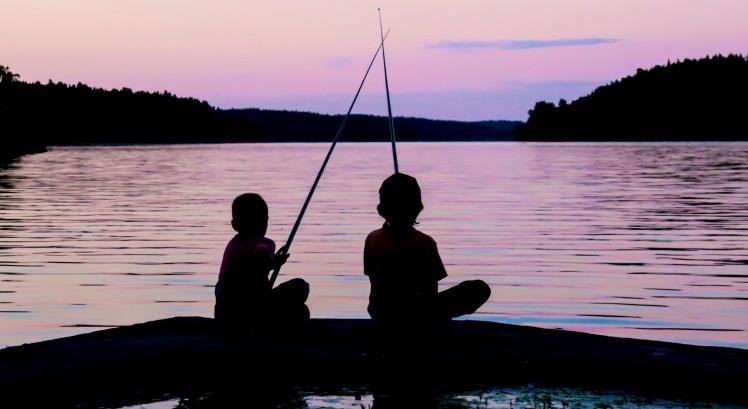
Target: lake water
point(635, 240)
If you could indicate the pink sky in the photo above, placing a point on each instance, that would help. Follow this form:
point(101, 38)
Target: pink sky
point(471, 60)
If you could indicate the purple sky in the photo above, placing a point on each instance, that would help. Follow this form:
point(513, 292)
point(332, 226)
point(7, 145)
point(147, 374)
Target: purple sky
point(469, 60)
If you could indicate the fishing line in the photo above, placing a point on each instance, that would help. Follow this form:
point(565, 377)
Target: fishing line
point(287, 246)
point(387, 89)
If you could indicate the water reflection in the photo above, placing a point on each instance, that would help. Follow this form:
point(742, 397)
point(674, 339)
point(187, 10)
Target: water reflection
point(640, 240)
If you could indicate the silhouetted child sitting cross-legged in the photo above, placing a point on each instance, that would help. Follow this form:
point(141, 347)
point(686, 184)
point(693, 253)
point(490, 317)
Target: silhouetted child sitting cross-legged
point(243, 294)
point(404, 266)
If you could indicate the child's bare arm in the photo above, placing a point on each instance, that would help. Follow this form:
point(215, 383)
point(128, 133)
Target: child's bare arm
point(280, 258)
point(438, 266)
point(267, 261)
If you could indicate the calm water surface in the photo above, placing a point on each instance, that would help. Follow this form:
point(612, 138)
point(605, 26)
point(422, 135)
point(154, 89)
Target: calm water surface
point(635, 240)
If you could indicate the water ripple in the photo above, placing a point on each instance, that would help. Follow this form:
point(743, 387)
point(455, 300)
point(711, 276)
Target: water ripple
point(644, 240)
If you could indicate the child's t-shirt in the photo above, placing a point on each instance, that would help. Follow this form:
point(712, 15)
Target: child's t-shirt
point(243, 281)
point(404, 269)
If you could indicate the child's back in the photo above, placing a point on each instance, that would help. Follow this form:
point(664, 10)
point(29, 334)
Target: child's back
point(243, 286)
point(404, 268)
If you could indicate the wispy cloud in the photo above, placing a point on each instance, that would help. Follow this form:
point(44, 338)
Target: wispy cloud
point(521, 44)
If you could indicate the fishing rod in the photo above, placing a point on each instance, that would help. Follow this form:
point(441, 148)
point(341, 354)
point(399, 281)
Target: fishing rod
point(387, 88)
point(284, 249)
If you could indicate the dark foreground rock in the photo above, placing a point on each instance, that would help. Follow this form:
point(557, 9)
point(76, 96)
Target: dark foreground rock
point(190, 353)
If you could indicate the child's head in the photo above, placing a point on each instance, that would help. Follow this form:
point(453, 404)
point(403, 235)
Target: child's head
point(249, 214)
point(400, 200)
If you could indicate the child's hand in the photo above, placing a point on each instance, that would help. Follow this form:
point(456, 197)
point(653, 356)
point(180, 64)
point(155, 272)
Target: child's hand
point(280, 257)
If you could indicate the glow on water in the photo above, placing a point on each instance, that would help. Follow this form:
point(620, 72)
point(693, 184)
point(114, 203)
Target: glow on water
point(635, 240)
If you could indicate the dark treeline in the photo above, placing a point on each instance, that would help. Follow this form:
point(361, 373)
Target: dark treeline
point(12, 146)
point(62, 114)
point(34, 115)
point(703, 99)
point(292, 126)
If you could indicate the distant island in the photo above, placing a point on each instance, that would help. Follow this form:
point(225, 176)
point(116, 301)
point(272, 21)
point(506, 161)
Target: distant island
point(690, 100)
point(34, 115)
point(293, 126)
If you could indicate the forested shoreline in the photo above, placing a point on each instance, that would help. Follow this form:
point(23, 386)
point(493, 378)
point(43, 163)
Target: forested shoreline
point(35, 115)
point(689, 100)
point(701, 99)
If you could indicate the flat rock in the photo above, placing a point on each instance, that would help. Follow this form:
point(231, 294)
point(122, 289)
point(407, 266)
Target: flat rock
point(192, 352)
